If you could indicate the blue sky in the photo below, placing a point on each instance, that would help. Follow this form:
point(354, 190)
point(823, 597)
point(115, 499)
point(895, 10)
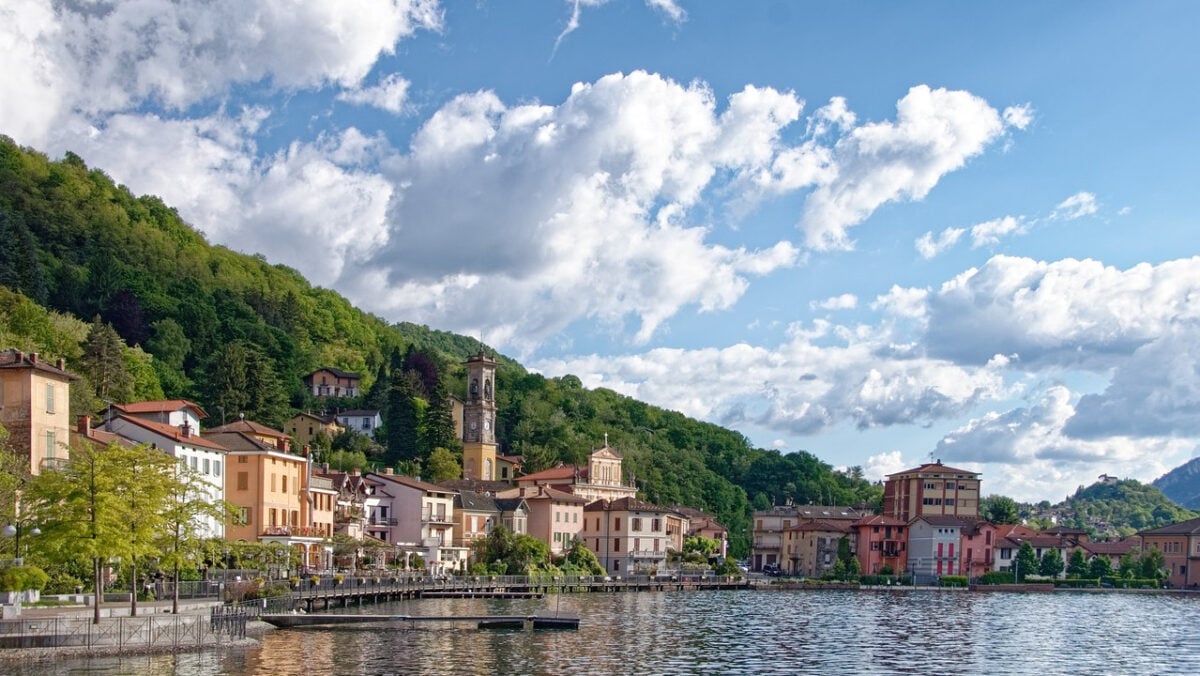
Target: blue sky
point(880, 232)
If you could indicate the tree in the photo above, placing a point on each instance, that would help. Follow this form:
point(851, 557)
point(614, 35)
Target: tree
point(1001, 510)
point(442, 466)
point(1026, 563)
point(1129, 566)
point(1153, 564)
point(1100, 567)
point(142, 483)
point(1077, 566)
point(853, 568)
point(438, 424)
point(81, 513)
point(187, 507)
point(103, 362)
point(1051, 564)
point(580, 560)
point(402, 420)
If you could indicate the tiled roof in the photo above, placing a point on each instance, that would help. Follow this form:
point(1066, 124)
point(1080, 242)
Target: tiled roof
point(475, 502)
point(625, 505)
point(161, 406)
point(102, 438)
point(475, 485)
point(335, 371)
point(934, 467)
point(358, 413)
point(410, 482)
point(823, 526)
point(511, 504)
point(16, 359)
point(323, 419)
point(879, 520)
point(560, 472)
point(1110, 548)
point(946, 521)
point(173, 433)
point(242, 441)
point(248, 426)
point(1189, 527)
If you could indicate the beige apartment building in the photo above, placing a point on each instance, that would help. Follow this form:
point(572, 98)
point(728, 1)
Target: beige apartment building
point(35, 401)
point(932, 489)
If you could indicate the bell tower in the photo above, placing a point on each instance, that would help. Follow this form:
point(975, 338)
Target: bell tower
point(479, 419)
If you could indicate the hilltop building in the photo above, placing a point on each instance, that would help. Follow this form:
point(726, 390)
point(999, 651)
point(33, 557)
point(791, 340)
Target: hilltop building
point(332, 382)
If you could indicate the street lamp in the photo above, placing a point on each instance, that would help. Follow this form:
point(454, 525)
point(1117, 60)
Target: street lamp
point(14, 531)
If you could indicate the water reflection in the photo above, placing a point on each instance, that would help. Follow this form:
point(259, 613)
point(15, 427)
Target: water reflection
point(834, 632)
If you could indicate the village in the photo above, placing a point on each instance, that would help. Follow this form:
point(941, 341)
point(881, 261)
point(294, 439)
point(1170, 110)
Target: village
point(929, 527)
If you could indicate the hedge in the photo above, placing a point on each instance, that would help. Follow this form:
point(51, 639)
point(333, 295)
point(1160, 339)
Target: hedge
point(953, 581)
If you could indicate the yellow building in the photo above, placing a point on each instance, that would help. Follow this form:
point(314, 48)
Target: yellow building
point(35, 407)
point(479, 419)
point(305, 427)
point(932, 489)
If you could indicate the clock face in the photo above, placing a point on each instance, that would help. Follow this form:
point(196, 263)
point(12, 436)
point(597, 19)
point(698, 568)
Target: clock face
point(487, 424)
point(474, 424)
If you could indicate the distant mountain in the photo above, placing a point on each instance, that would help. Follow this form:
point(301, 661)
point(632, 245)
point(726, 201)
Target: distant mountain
point(1182, 484)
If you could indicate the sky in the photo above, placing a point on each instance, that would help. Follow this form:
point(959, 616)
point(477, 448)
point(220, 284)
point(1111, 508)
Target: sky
point(884, 233)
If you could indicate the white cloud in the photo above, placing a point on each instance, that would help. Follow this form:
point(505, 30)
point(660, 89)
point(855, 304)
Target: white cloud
point(1018, 117)
point(669, 8)
point(880, 465)
point(929, 247)
point(96, 59)
point(1029, 457)
point(1076, 206)
point(990, 232)
point(936, 131)
point(1066, 313)
point(846, 301)
point(391, 94)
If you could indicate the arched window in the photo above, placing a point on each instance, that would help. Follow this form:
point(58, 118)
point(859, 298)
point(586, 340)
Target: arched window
point(487, 389)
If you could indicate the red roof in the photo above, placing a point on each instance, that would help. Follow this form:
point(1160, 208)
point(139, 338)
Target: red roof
point(934, 467)
point(560, 472)
point(161, 406)
point(172, 432)
point(249, 427)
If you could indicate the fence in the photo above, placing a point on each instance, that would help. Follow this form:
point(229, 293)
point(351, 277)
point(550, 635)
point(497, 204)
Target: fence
point(126, 633)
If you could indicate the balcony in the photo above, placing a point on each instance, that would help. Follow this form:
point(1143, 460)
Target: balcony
point(293, 531)
point(382, 521)
point(437, 517)
point(53, 464)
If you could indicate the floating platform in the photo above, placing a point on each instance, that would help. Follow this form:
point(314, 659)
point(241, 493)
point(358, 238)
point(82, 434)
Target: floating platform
point(300, 620)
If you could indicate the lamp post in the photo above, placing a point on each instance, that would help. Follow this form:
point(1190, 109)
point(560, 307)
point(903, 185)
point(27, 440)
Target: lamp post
point(13, 530)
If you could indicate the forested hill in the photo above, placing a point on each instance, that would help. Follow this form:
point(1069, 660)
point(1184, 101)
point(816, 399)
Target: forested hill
point(89, 271)
point(1119, 508)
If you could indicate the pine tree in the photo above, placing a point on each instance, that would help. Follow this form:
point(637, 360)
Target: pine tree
point(402, 421)
point(438, 427)
point(104, 363)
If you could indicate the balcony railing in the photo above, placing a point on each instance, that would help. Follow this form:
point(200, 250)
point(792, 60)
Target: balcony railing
point(436, 517)
point(53, 464)
point(383, 521)
point(293, 531)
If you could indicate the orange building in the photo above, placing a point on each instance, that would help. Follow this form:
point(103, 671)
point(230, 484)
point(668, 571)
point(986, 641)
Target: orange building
point(274, 495)
point(1180, 547)
point(882, 542)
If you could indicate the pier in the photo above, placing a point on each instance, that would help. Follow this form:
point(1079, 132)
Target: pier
point(358, 592)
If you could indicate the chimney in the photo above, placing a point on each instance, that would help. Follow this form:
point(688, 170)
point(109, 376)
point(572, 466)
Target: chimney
point(355, 472)
point(186, 429)
point(33, 357)
point(388, 471)
point(306, 451)
point(85, 425)
point(61, 364)
point(325, 467)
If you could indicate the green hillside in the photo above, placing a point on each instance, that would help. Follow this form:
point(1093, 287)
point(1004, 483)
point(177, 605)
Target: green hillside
point(1115, 509)
point(143, 307)
point(1182, 484)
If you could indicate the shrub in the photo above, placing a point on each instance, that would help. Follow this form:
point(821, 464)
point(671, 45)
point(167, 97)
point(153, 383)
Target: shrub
point(1078, 582)
point(23, 578)
point(996, 577)
point(953, 581)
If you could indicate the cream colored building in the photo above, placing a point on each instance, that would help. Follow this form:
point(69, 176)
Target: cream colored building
point(35, 401)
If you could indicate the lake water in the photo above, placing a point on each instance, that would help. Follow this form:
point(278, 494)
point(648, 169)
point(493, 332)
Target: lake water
point(721, 632)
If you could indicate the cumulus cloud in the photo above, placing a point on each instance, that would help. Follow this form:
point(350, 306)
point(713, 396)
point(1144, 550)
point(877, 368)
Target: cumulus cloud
point(929, 246)
point(391, 94)
point(880, 465)
point(1018, 117)
point(1067, 313)
point(935, 132)
point(1031, 456)
point(1155, 393)
point(1076, 206)
point(990, 232)
point(94, 59)
point(845, 301)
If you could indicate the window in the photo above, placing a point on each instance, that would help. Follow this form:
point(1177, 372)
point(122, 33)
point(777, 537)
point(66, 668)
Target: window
point(216, 468)
point(242, 459)
point(575, 517)
point(243, 481)
point(285, 483)
point(616, 544)
point(654, 525)
point(635, 524)
point(49, 443)
point(929, 485)
point(49, 398)
point(556, 517)
point(949, 485)
point(949, 502)
point(243, 515)
point(272, 482)
point(207, 466)
point(617, 523)
point(192, 461)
